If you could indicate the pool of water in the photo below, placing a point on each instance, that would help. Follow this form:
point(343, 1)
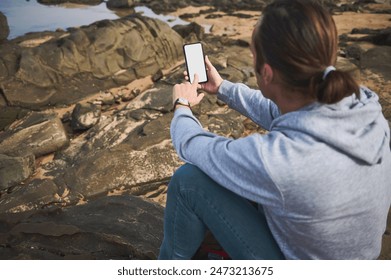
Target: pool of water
point(25, 16)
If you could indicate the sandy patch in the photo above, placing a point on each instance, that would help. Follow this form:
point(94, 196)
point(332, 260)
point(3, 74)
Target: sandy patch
point(347, 21)
point(237, 28)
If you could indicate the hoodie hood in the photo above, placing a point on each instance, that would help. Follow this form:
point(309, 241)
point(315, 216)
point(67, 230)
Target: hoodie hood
point(354, 126)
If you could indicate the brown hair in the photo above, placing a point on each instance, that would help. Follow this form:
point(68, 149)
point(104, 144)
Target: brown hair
point(299, 39)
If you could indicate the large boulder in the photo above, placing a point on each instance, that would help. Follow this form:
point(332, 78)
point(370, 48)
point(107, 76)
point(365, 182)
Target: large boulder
point(34, 195)
point(4, 28)
point(116, 227)
point(36, 134)
point(99, 56)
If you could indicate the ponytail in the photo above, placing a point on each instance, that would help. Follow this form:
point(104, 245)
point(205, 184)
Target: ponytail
point(334, 87)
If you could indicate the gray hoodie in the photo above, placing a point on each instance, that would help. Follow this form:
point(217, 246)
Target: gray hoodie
point(322, 173)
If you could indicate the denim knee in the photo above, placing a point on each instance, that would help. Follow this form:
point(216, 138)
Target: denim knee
point(187, 175)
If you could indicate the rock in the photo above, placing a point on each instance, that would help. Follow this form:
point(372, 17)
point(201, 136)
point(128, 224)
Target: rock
point(157, 76)
point(345, 65)
point(37, 134)
point(229, 124)
point(380, 37)
point(56, 2)
point(107, 133)
point(165, 6)
point(129, 149)
point(33, 196)
point(186, 30)
point(92, 58)
point(119, 4)
point(383, 1)
point(158, 98)
point(4, 28)
point(121, 166)
point(115, 227)
point(354, 51)
point(85, 116)
point(9, 55)
point(14, 170)
point(378, 59)
point(10, 114)
point(152, 133)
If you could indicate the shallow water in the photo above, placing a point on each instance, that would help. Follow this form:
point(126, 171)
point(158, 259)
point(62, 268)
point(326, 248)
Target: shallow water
point(25, 16)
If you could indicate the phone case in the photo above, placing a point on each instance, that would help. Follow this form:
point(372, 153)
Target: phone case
point(199, 63)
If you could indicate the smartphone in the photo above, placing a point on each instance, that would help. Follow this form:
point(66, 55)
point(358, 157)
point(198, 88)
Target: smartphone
point(195, 62)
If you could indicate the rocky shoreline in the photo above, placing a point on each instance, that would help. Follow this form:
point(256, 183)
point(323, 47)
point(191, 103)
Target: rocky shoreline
point(85, 150)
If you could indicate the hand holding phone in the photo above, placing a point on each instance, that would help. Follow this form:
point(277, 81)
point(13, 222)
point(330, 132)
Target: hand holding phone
point(195, 62)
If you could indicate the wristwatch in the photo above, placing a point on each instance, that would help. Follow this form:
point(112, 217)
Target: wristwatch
point(181, 101)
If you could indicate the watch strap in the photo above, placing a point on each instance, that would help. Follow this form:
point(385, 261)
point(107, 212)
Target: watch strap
point(181, 101)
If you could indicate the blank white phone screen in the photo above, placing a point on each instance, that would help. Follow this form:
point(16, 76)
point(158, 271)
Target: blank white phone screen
point(195, 62)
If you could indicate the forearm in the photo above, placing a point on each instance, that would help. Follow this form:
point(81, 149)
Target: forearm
point(226, 161)
point(249, 102)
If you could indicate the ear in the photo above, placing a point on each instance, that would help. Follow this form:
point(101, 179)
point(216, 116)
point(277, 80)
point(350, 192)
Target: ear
point(267, 74)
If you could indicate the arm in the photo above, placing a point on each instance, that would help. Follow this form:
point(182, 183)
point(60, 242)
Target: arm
point(235, 164)
point(249, 102)
point(246, 101)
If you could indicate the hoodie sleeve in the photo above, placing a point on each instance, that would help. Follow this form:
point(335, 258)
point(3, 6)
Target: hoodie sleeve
point(249, 102)
point(234, 164)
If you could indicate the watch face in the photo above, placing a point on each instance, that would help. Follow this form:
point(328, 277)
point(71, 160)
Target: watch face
point(183, 101)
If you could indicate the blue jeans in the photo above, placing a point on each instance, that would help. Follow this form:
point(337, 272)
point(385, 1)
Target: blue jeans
point(196, 203)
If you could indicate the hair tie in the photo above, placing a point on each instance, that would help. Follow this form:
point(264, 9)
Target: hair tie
point(327, 71)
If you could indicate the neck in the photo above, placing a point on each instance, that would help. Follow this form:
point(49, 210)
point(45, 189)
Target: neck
point(289, 101)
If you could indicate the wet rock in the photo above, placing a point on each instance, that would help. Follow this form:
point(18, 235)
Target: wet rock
point(116, 227)
point(37, 134)
point(85, 116)
point(92, 58)
point(118, 4)
point(14, 170)
point(4, 28)
point(32, 196)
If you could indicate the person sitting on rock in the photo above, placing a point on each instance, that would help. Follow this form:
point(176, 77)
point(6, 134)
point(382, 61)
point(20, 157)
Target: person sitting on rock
point(321, 175)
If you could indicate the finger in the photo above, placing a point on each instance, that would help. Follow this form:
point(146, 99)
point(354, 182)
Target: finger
point(196, 79)
point(186, 75)
point(209, 64)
